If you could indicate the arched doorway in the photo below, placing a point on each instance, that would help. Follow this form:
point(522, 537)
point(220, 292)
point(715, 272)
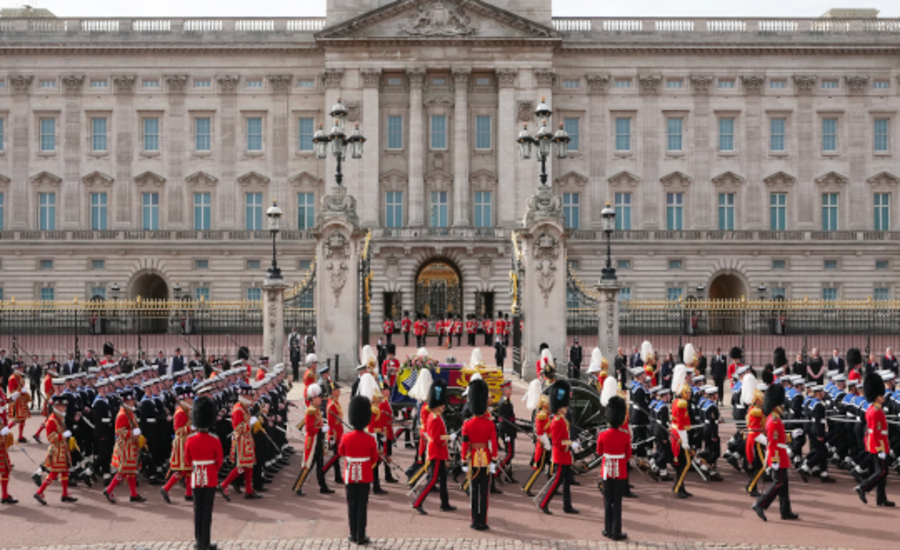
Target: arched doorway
point(149, 286)
point(439, 289)
point(726, 286)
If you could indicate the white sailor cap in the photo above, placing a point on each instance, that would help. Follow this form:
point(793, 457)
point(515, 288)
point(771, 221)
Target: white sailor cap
point(665, 391)
point(778, 371)
point(698, 378)
point(742, 370)
point(711, 390)
point(832, 373)
point(761, 387)
point(887, 376)
point(851, 383)
point(636, 371)
point(655, 389)
point(839, 378)
point(798, 380)
point(817, 387)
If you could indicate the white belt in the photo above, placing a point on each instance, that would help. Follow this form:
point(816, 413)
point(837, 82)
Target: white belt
point(782, 446)
point(616, 457)
point(355, 460)
point(203, 462)
point(107, 420)
point(151, 420)
point(884, 432)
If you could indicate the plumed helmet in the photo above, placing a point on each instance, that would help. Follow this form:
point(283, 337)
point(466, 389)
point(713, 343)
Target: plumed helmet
point(873, 387)
point(679, 379)
point(311, 358)
point(748, 389)
point(774, 398)
point(532, 397)
point(596, 357)
point(367, 386)
point(368, 356)
point(478, 397)
point(360, 412)
point(203, 413)
point(768, 377)
point(475, 376)
point(422, 388)
point(779, 358)
point(615, 412)
point(559, 395)
point(438, 396)
point(647, 351)
point(475, 359)
point(689, 355)
point(108, 348)
point(610, 390)
point(546, 356)
point(313, 391)
point(736, 353)
point(854, 357)
point(243, 353)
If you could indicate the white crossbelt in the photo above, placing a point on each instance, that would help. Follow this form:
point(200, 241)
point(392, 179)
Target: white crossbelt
point(353, 460)
point(613, 456)
point(203, 462)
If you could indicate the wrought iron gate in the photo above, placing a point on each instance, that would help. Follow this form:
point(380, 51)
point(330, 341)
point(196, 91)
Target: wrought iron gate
point(365, 295)
point(516, 274)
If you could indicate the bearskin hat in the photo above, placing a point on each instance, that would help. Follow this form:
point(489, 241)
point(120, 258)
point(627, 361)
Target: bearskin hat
point(559, 395)
point(854, 357)
point(736, 353)
point(543, 346)
point(615, 412)
point(873, 387)
point(774, 398)
point(243, 353)
point(438, 396)
point(779, 358)
point(108, 348)
point(392, 348)
point(203, 413)
point(360, 412)
point(478, 397)
point(768, 377)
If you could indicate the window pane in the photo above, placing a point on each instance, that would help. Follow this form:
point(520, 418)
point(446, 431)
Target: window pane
point(307, 130)
point(98, 134)
point(623, 211)
point(254, 211)
point(439, 132)
point(571, 127)
point(306, 210)
point(47, 211)
point(882, 294)
point(201, 294)
point(254, 294)
point(726, 134)
point(483, 132)
point(48, 134)
point(1, 211)
point(571, 210)
point(151, 134)
point(829, 134)
point(777, 126)
point(48, 294)
point(202, 133)
point(202, 211)
point(483, 203)
point(674, 134)
point(623, 134)
point(673, 294)
point(882, 134)
point(829, 211)
point(882, 212)
point(150, 211)
point(98, 211)
point(829, 294)
point(2, 133)
point(254, 134)
point(395, 132)
point(394, 209)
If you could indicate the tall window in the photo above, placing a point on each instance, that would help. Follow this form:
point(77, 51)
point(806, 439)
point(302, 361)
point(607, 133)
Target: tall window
point(779, 292)
point(307, 130)
point(395, 132)
point(483, 204)
point(623, 134)
point(47, 211)
point(202, 211)
point(98, 293)
point(48, 134)
point(438, 209)
point(674, 211)
point(882, 294)
point(624, 293)
point(726, 211)
point(438, 132)
point(151, 134)
point(776, 131)
point(254, 211)
point(254, 134)
point(623, 211)
point(482, 132)
point(829, 134)
point(673, 132)
point(571, 127)
point(202, 130)
point(48, 294)
point(393, 209)
point(673, 294)
point(201, 294)
point(572, 210)
point(778, 211)
point(726, 134)
point(882, 211)
point(829, 294)
point(829, 211)
point(98, 211)
point(254, 294)
point(882, 134)
point(98, 134)
point(306, 210)
point(150, 211)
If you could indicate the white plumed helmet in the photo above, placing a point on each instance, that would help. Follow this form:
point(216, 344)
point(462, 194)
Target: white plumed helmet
point(646, 351)
point(532, 397)
point(748, 389)
point(475, 359)
point(610, 390)
point(689, 355)
point(422, 387)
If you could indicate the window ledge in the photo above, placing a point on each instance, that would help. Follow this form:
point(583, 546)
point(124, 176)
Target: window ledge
point(830, 154)
point(98, 154)
point(728, 153)
point(623, 154)
point(149, 154)
point(779, 154)
point(876, 153)
point(46, 153)
point(305, 154)
point(202, 154)
point(483, 152)
point(394, 152)
point(3, 153)
point(675, 153)
point(254, 154)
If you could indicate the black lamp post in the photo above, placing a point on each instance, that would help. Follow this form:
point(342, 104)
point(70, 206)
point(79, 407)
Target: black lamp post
point(546, 141)
point(114, 289)
point(177, 290)
point(762, 290)
point(274, 214)
point(609, 225)
point(339, 140)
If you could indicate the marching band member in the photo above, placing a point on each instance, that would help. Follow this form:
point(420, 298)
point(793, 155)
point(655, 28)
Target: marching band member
point(127, 448)
point(369, 389)
point(438, 448)
point(776, 457)
point(334, 418)
point(19, 398)
point(6, 441)
point(506, 429)
point(178, 465)
point(243, 448)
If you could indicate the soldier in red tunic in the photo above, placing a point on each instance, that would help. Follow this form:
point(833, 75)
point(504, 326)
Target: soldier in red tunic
point(776, 457)
point(438, 448)
point(6, 441)
point(369, 389)
point(388, 329)
point(752, 396)
point(535, 400)
point(48, 393)
point(614, 445)
point(563, 446)
point(313, 453)
point(488, 327)
point(243, 448)
point(390, 367)
point(405, 326)
point(127, 449)
point(678, 430)
point(58, 458)
point(471, 329)
point(203, 455)
point(877, 442)
point(360, 454)
point(479, 452)
point(334, 418)
point(178, 466)
point(387, 428)
point(19, 399)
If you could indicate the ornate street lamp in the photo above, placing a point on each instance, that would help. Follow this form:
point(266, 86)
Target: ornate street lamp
point(177, 290)
point(338, 140)
point(114, 289)
point(274, 214)
point(762, 290)
point(545, 141)
point(609, 225)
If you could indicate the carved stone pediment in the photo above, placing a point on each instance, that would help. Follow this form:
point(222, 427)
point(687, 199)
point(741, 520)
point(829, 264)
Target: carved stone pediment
point(483, 180)
point(884, 178)
point(228, 83)
point(97, 179)
point(857, 83)
point(21, 83)
point(805, 83)
point(280, 83)
point(201, 179)
point(649, 84)
point(176, 83)
point(676, 179)
point(780, 178)
point(728, 178)
point(597, 83)
point(571, 179)
point(45, 178)
point(306, 179)
point(438, 179)
point(832, 178)
point(624, 178)
point(701, 82)
point(393, 180)
point(72, 83)
point(439, 100)
point(253, 178)
point(149, 179)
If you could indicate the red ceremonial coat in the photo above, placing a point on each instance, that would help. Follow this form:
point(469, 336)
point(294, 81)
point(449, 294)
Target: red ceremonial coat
point(755, 420)
point(436, 433)
point(126, 451)
point(681, 420)
point(314, 423)
point(243, 449)
point(541, 423)
point(405, 324)
point(18, 409)
point(360, 453)
point(182, 426)
point(335, 421)
point(479, 442)
point(559, 438)
point(877, 430)
point(776, 452)
point(389, 326)
point(203, 456)
point(386, 366)
point(614, 445)
point(57, 459)
point(387, 420)
point(5, 442)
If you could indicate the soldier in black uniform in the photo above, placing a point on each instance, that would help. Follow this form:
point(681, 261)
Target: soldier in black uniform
point(506, 431)
point(710, 417)
point(817, 459)
point(661, 415)
point(576, 356)
point(640, 411)
point(104, 431)
point(149, 424)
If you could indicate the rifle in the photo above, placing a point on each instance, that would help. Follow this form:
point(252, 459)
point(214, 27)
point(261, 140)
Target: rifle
point(188, 342)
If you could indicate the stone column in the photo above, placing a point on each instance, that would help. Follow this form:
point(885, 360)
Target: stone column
point(461, 148)
point(703, 194)
point(20, 215)
point(650, 156)
point(337, 278)
point(173, 195)
point(807, 148)
point(507, 156)
point(228, 196)
point(124, 139)
point(71, 147)
point(544, 291)
point(273, 319)
point(280, 84)
point(371, 79)
point(416, 203)
point(596, 138)
point(608, 309)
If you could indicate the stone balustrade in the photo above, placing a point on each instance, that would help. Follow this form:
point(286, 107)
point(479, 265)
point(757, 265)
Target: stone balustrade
point(597, 26)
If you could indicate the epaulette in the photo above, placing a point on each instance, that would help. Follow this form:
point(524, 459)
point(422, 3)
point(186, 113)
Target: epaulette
point(757, 412)
point(682, 404)
point(542, 415)
point(311, 410)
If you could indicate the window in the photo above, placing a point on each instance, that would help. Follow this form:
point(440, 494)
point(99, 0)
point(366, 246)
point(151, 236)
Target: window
point(623, 264)
point(674, 211)
point(726, 134)
point(201, 294)
point(48, 84)
point(439, 132)
point(882, 134)
point(779, 264)
point(254, 211)
point(778, 211)
point(253, 264)
point(726, 211)
point(777, 84)
point(150, 211)
point(151, 134)
point(830, 265)
point(48, 134)
point(202, 206)
point(438, 209)
point(202, 128)
point(150, 83)
point(439, 81)
point(829, 211)
point(98, 292)
point(829, 294)
point(306, 210)
point(255, 83)
point(393, 209)
point(483, 209)
point(47, 211)
point(623, 134)
point(829, 134)
point(829, 84)
point(673, 132)
point(882, 294)
point(1, 288)
point(46, 265)
point(675, 264)
point(206, 83)
point(623, 211)
point(254, 134)
point(571, 84)
point(624, 293)
point(306, 83)
point(779, 293)
point(98, 265)
point(1, 210)
point(882, 265)
point(99, 84)
point(482, 132)
point(725, 84)
point(882, 211)
point(254, 294)
point(48, 294)
point(485, 81)
point(572, 301)
point(201, 264)
point(623, 83)
point(881, 84)
point(674, 84)
point(306, 131)
point(572, 210)
point(304, 265)
point(98, 134)
point(98, 211)
point(673, 294)
point(2, 133)
point(395, 81)
point(395, 132)
point(570, 125)
point(776, 134)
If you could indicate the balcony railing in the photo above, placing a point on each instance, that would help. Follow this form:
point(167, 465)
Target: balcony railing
point(160, 235)
point(148, 28)
point(723, 25)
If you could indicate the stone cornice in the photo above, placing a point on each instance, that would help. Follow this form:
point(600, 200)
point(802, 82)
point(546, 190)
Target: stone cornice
point(720, 49)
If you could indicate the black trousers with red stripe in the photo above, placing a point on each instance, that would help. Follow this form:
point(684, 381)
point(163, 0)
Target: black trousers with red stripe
point(562, 475)
point(878, 479)
point(510, 453)
point(437, 474)
point(777, 489)
point(479, 489)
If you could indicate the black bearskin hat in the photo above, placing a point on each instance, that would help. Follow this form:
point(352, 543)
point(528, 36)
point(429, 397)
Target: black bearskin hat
point(438, 395)
point(406, 313)
point(779, 358)
point(360, 412)
point(873, 387)
point(243, 353)
point(615, 412)
point(774, 398)
point(478, 397)
point(108, 348)
point(559, 395)
point(854, 357)
point(768, 377)
point(542, 347)
point(736, 353)
point(203, 413)
point(392, 348)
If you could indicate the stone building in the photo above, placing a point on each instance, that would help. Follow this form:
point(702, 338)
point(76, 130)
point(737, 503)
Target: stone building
point(735, 151)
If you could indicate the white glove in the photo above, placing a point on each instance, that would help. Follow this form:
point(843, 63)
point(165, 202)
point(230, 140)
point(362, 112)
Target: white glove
point(452, 437)
point(465, 469)
point(136, 432)
point(254, 421)
point(546, 441)
point(797, 433)
point(14, 396)
point(506, 439)
point(682, 434)
point(775, 466)
point(66, 434)
point(761, 439)
point(576, 446)
point(881, 456)
point(4, 432)
point(325, 429)
point(493, 468)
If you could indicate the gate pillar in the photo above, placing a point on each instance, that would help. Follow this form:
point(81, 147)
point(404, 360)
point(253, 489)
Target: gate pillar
point(608, 309)
point(273, 319)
